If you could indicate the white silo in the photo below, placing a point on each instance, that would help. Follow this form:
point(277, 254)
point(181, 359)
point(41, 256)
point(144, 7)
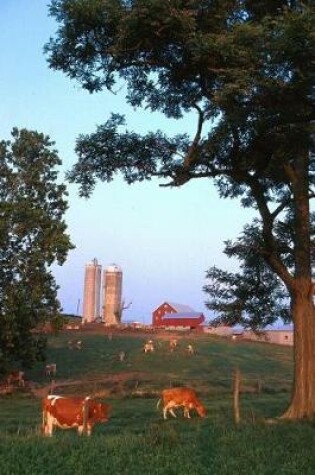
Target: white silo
point(112, 290)
point(92, 291)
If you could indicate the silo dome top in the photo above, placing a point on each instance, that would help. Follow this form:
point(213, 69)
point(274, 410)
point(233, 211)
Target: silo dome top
point(113, 268)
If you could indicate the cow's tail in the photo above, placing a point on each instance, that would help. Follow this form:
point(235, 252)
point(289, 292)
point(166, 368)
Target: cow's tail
point(158, 403)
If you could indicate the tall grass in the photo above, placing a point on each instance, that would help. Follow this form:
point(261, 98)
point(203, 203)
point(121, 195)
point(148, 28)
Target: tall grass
point(136, 440)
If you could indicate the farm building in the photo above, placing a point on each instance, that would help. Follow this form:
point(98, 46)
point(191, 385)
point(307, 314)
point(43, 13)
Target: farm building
point(221, 330)
point(177, 316)
point(280, 336)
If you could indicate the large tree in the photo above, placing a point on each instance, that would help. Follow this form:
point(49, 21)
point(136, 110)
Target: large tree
point(246, 68)
point(32, 237)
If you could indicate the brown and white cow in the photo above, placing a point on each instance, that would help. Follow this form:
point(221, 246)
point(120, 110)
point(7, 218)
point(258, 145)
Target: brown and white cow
point(185, 397)
point(68, 413)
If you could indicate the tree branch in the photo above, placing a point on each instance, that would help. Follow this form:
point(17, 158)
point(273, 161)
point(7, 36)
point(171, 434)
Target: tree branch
point(270, 253)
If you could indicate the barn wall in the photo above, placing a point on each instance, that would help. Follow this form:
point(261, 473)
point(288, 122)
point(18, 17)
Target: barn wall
point(158, 314)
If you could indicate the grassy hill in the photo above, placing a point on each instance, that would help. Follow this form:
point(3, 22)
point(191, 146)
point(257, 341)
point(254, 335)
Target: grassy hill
point(137, 440)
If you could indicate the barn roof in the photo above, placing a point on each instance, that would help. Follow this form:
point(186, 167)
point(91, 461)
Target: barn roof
point(181, 308)
point(177, 316)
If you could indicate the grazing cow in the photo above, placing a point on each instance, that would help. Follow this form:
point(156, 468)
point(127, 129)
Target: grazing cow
point(75, 344)
point(190, 350)
point(148, 347)
point(51, 369)
point(184, 397)
point(78, 345)
point(173, 344)
point(122, 356)
point(68, 413)
point(16, 377)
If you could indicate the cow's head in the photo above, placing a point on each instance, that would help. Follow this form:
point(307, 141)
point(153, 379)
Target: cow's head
point(101, 412)
point(201, 410)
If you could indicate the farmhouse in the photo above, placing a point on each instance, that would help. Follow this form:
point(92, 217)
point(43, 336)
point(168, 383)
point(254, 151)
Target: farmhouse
point(221, 330)
point(176, 316)
point(283, 335)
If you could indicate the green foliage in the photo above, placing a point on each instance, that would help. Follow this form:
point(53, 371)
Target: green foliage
point(244, 68)
point(253, 297)
point(57, 322)
point(32, 238)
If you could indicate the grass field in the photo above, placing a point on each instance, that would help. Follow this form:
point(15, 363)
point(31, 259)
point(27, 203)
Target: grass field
point(136, 440)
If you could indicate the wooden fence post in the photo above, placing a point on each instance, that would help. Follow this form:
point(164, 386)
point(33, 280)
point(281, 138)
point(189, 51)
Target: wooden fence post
point(236, 395)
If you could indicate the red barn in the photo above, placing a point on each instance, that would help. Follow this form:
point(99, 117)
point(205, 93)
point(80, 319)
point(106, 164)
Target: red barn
point(176, 315)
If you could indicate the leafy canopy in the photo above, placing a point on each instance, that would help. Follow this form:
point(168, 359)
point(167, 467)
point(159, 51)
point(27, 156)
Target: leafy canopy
point(32, 237)
point(253, 297)
point(243, 68)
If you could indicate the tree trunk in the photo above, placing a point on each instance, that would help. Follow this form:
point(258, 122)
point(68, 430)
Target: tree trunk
point(302, 403)
point(302, 297)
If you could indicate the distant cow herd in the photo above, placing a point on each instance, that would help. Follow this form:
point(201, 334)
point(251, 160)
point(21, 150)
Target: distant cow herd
point(83, 413)
point(148, 347)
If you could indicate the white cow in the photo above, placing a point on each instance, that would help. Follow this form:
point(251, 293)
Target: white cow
point(190, 350)
point(148, 347)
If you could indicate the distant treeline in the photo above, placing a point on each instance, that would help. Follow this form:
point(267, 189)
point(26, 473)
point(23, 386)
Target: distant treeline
point(69, 316)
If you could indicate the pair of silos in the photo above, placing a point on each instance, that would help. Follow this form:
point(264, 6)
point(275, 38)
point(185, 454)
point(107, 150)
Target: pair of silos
point(110, 313)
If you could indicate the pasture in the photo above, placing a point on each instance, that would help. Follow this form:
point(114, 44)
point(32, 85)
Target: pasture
point(136, 440)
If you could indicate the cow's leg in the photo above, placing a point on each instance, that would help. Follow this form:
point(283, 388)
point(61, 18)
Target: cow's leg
point(49, 425)
point(169, 407)
point(44, 422)
point(88, 429)
point(173, 413)
point(186, 412)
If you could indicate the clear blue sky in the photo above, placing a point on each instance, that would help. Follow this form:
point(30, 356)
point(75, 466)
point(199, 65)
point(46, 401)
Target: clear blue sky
point(164, 239)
